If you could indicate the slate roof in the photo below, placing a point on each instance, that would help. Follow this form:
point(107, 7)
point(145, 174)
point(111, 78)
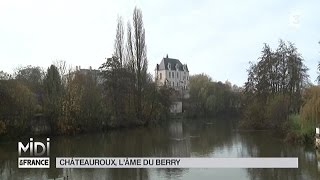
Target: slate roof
point(164, 64)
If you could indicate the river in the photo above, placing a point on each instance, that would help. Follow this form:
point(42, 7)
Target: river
point(205, 138)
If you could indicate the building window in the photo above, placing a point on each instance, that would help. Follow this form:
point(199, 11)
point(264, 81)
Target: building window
point(160, 75)
point(169, 74)
point(172, 74)
point(172, 84)
point(177, 84)
point(177, 75)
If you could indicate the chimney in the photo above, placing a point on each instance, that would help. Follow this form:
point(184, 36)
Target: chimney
point(167, 56)
point(76, 68)
point(90, 68)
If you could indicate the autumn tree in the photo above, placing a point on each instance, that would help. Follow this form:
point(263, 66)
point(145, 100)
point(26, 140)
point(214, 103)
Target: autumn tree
point(210, 98)
point(18, 105)
point(32, 77)
point(277, 79)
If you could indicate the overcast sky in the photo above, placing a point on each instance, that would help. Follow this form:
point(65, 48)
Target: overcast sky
point(218, 38)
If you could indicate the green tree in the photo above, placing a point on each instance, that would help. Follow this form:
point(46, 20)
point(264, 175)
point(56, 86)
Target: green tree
point(18, 105)
point(277, 78)
point(82, 104)
point(116, 87)
point(209, 98)
point(310, 111)
point(53, 90)
point(31, 76)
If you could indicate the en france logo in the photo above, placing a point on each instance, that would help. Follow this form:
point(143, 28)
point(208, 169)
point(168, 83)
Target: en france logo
point(35, 154)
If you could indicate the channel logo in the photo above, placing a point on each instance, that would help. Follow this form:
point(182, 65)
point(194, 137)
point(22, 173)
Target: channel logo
point(34, 154)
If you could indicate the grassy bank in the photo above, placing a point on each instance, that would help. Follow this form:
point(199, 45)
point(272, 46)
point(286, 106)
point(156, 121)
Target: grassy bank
point(298, 132)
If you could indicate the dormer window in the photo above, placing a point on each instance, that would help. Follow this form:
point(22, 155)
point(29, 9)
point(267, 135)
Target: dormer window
point(184, 67)
point(177, 67)
point(169, 66)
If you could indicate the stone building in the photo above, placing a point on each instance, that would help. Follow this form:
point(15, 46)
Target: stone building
point(171, 72)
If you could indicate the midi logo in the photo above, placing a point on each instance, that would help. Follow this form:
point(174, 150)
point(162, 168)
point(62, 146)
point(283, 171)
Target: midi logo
point(34, 154)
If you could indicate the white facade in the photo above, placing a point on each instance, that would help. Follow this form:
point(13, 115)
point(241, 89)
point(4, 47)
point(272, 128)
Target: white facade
point(176, 107)
point(173, 73)
point(175, 79)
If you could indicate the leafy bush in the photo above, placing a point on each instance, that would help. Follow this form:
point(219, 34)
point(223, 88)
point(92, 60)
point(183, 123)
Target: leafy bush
point(277, 111)
point(310, 111)
point(295, 122)
point(297, 133)
point(253, 116)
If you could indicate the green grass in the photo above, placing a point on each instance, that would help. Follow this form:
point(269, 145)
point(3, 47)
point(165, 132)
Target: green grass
point(302, 130)
point(295, 123)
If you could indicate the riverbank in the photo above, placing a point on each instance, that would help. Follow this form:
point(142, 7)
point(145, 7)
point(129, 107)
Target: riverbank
point(298, 132)
point(175, 139)
point(40, 130)
point(291, 131)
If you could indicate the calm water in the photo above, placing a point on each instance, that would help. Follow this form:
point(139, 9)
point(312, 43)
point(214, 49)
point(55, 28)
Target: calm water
point(177, 139)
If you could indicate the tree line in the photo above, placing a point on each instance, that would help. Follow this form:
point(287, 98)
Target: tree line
point(209, 98)
point(120, 94)
point(279, 95)
point(274, 86)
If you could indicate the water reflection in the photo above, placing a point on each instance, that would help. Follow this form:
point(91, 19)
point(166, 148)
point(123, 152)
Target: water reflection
point(318, 159)
point(204, 138)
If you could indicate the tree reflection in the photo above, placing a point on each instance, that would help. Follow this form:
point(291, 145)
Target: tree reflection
point(262, 144)
point(177, 139)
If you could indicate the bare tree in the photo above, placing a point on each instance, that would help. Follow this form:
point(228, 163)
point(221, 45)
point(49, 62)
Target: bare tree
point(62, 69)
point(4, 76)
point(137, 57)
point(61, 66)
point(119, 41)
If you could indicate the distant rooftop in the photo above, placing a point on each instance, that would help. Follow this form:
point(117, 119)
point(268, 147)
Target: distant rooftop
point(173, 62)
